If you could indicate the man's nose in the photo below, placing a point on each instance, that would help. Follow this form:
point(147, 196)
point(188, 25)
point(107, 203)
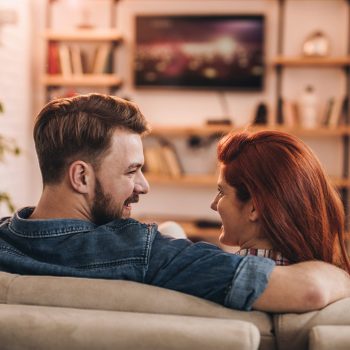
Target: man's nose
point(141, 185)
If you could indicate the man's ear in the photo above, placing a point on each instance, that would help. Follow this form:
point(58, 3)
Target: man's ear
point(80, 176)
point(253, 213)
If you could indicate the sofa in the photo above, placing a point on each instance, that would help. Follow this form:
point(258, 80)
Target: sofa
point(47, 312)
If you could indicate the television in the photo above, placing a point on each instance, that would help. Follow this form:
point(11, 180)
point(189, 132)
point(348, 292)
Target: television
point(187, 51)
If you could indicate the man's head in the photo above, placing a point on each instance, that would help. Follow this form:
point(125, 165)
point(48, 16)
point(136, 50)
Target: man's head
point(93, 142)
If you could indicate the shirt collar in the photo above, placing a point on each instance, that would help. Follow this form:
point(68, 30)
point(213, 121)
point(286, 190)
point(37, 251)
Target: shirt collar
point(22, 226)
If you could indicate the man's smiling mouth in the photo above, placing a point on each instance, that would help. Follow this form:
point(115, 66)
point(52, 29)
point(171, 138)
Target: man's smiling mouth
point(132, 199)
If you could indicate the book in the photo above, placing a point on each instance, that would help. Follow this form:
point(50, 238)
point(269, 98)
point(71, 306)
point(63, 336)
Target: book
point(53, 60)
point(100, 59)
point(77, 63)
point(344, 114)
point(335, 112)
point(327, 112)
point(172, 161)
point(65, 60)
point(154, 163)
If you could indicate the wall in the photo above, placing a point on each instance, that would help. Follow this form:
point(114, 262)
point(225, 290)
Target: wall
point(15, 94)
point(171, 106)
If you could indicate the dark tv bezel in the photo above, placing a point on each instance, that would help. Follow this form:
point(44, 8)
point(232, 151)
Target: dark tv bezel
point(260, 88)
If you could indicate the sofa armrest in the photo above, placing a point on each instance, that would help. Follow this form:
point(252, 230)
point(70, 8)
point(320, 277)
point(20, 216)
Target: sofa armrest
point(292, 330)
point(42, 327)
point(329, 337)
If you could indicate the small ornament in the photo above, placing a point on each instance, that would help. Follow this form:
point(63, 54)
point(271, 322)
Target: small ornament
point(316, 45)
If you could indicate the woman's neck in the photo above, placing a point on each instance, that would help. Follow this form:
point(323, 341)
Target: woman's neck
point(256, 243)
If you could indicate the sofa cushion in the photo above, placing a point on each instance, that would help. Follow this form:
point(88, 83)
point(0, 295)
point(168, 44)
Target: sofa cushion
point(292, 330)
point(329, 337)
point(120, 296)
point(39, 327)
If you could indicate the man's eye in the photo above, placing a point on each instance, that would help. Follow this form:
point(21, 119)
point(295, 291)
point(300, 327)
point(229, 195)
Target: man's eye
point(220, 193)
point(132, 171)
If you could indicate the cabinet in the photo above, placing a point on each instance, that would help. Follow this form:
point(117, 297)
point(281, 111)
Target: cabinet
point(80, 57)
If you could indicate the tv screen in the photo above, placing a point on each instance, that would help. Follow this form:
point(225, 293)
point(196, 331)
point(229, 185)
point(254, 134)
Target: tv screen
point(225, 51)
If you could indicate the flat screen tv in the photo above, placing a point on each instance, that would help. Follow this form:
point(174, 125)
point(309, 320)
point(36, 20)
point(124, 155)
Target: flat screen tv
point(215, 52)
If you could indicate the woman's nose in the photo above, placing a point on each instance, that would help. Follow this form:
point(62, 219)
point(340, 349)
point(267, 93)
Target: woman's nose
point(213, 204)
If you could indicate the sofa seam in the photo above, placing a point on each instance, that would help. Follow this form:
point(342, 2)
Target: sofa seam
point(9, 287)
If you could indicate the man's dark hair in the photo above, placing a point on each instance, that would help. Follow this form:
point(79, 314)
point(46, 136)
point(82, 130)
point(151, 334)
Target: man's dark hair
point(81, 127)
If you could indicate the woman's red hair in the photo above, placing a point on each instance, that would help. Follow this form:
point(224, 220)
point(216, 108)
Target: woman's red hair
point(300, 211)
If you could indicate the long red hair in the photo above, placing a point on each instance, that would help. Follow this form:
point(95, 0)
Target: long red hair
point(301, 213)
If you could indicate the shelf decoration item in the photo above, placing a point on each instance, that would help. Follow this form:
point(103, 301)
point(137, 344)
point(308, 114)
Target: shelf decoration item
point(308, 107)
point(261, 114)
point(85, 22)
point(316, 45)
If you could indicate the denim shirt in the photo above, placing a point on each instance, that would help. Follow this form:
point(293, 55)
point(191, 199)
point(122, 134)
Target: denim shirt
point(129, 250)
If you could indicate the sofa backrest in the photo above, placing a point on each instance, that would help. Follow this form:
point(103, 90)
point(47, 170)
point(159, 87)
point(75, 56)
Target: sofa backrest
point(42, 328)
point(123, 296)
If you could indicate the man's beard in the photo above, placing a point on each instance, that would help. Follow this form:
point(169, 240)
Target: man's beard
point(103, 210)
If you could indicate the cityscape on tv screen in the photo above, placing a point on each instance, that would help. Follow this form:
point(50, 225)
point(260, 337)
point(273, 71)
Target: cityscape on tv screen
point(200, 52)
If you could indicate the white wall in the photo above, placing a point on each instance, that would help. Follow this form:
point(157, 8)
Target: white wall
point(170, 106)
point(16, 96)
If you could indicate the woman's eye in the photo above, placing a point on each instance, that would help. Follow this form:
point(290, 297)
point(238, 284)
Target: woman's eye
point(220, 193)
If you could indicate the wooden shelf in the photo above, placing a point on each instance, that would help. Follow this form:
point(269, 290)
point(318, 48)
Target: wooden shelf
point(88, 80)
point(341, 183)
point(171, 130)
point(83, 35)
point(222, 130)
point(312, 61)
point(211, 180)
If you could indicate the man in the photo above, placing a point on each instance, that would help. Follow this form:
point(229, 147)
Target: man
point(90, 154)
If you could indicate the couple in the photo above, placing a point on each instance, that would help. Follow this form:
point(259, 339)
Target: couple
point(273, 199)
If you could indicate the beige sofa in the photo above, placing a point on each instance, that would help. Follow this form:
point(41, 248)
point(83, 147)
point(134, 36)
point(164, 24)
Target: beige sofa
point(42, 312)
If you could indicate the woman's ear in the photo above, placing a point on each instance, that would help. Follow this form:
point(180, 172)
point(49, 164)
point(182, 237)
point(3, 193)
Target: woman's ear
point(80, 176)
point(253, 213)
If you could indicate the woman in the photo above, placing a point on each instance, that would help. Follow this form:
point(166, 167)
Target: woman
point(275, 200)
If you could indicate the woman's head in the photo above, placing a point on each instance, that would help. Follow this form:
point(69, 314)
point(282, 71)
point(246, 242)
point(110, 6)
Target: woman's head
point(276, 177)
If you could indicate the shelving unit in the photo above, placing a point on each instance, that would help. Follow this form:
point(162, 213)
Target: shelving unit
point(210, 180)
point(342, 62)
point(78, 36)
point(278, 63)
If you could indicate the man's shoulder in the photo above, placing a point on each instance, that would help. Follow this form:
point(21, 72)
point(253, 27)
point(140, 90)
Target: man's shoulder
point(130, 224)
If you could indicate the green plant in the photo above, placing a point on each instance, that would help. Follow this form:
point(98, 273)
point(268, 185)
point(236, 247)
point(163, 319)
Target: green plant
point(7, 146)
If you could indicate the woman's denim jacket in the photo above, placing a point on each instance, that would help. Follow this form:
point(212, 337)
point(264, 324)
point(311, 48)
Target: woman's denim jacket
point(129, 250)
